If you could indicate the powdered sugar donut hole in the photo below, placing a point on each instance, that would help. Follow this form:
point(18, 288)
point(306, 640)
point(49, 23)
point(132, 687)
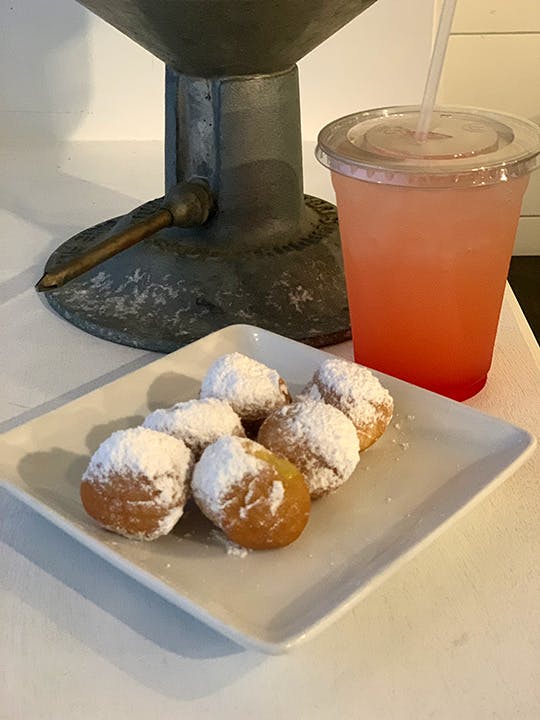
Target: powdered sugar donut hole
point(252, 389)
point(136, 483)
point(258, 500)
point(357, 393)
point(198, 423)
point(318, 439)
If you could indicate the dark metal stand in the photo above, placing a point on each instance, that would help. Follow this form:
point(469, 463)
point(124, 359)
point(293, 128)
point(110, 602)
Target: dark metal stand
point(269, 255)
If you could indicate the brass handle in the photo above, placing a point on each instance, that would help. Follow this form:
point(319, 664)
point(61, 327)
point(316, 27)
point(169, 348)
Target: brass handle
point(185, 205)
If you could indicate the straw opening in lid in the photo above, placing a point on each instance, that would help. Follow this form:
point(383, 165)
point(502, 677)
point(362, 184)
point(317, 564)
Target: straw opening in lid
point(465, 147)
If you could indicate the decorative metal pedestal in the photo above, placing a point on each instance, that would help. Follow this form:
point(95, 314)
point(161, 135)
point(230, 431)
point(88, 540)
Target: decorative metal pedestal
point(160, 295)
point(268, 256)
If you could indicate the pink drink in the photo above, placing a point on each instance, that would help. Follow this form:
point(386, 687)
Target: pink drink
point(425, 282)
point(427, 233)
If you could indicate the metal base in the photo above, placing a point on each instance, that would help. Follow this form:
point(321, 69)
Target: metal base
point(163, 294)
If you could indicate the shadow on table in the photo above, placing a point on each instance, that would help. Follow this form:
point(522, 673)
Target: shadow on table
point(128, 608)
point(77, 392)
point(170, 388)
point(99, 433)
point(30, 202)
point(46, 81)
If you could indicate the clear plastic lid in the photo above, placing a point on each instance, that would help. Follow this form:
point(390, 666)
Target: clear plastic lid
point(465, 147)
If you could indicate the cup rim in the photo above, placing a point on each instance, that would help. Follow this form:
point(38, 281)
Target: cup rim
point(335, 151)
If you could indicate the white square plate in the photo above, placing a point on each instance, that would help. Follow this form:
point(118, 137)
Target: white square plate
point(437, 458)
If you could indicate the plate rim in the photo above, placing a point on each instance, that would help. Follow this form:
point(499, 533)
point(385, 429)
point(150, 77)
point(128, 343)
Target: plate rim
point(244, 638)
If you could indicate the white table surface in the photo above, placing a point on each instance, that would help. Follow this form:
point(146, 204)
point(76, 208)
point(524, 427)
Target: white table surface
point(455, 633)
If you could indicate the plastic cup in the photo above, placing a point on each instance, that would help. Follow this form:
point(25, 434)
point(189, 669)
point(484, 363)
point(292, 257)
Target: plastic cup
point(427, 231)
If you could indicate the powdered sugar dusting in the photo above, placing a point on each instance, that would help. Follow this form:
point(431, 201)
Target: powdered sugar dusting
point(198, 423)
point(222, 467)
point(360, 393)
point(164, 460)
point(330, 436)
point(251, 500)
point(231, 548)
point(248, 385)
point(276, 496)
point(236, 550)
point(163, 527)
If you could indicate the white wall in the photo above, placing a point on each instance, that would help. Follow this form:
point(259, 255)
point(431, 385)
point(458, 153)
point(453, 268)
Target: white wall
point(494, 61)
point(66, 74)
point(381, 58)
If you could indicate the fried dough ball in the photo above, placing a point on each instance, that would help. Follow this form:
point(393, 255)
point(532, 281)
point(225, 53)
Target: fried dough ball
point(136, 483)
point(198, 423)
point(257, 499)
point(357, 393)
point(318, 439)
point(252, 389)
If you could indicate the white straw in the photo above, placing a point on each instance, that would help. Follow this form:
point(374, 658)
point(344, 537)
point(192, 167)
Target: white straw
point(435, 69)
